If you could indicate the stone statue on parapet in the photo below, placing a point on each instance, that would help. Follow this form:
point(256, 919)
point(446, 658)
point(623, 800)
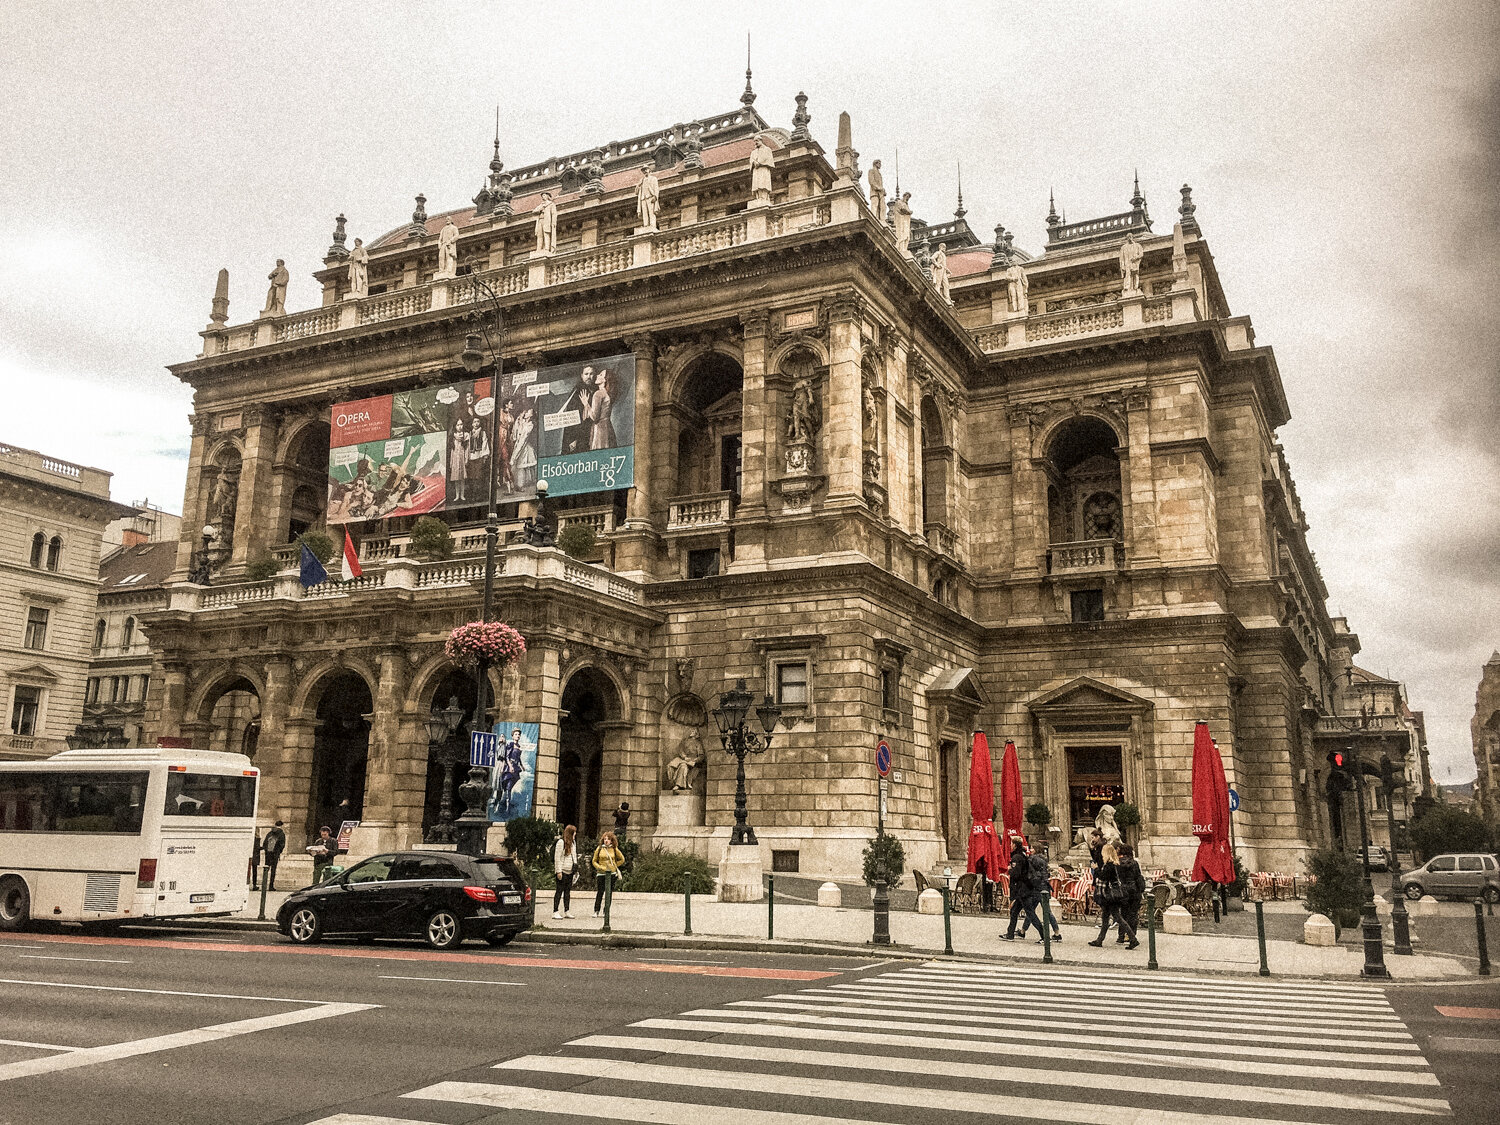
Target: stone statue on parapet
point(762, 160)
point(276, 294)
point(1130, 266)
point(647, 200)
point(546, 225)
point(447, 264)
point(940, 277)
point(359, 271)
point(901, 213)
point(1016, 287)
point(877, 191)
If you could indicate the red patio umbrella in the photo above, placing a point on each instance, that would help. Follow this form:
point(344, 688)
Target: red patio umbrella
point(1012, 812)
point(983, 843)
point(1210, 811)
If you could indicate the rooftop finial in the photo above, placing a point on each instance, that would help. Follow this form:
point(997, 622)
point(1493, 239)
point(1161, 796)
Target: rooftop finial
point(800, 119)
point(1137, 201)
point(959, 213)
point(1052, 219)
point(337, 250)
point(1000, 258)
point(1189, 222)
point(495, 166)
point(747, 99)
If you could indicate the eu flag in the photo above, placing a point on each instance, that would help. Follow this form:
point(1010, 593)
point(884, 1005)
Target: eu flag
point(313, 571)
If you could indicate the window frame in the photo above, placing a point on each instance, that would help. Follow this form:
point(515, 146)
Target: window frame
point(35, 712)
point(38, 550)
point(36, 630)
point(782, 664)
point(54, 553)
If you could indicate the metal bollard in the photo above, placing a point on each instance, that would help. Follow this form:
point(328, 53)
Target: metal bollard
point(1484, 949)
point(882, 909)
point(609, 886)
point(1260, 936)
point(687, 904)
point(1151, 929)
point(770, 907)
point(947, 925)
point(1046, 929)
point(265, 877)
point(1215, 897)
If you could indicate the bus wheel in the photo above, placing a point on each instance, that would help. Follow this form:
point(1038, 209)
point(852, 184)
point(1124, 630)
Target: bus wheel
point(305, 926)
point(15, 903)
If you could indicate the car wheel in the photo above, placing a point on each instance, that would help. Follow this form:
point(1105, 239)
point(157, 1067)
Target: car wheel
point(444, 931)
point(497, 940)
point(15, 903)
point(1413, 891)
point(1492, 894)
point(305, 925)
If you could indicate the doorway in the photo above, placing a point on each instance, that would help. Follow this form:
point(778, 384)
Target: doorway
point(1095, 779)
point(340, 753)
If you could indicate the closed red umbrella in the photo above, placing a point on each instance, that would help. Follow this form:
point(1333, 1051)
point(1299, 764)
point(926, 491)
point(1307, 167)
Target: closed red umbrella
point(1210, 811)
point(983, 843)
point(1012, 812)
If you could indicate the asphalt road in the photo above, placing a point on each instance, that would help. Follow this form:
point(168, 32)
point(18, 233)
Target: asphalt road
point(158, 1026)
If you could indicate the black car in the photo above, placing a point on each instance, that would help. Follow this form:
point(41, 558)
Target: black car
point(441, 896)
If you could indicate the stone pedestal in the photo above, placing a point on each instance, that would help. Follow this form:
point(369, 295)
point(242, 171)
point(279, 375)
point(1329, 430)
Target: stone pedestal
point(679, 808)
point(1177, 920)
point(830, 895)
point(930, 901)
point(1318, 930)
point(740, 874)
point(1425, 905)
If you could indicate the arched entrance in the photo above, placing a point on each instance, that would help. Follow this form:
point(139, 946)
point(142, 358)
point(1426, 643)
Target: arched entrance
point(341, 751)
point(456, 686)
point(588, 701)
point(234, 721)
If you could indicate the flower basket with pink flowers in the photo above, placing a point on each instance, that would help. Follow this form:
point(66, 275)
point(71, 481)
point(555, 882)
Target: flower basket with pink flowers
point(494, 641)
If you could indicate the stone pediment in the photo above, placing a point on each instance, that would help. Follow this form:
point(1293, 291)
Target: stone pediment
point(1088, 694)
point(34, 673)
point(959, 685)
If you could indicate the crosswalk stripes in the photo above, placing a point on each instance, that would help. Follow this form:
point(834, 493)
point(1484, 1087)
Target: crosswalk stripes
point(970, 1042)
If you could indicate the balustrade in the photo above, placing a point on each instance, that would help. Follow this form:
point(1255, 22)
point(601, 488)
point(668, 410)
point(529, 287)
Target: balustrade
point(941, 538)
point(711, 509)
point(1083, 556)
point(699, 240)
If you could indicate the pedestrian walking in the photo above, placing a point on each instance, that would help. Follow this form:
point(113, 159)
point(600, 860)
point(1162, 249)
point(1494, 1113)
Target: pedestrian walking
point(607, 861)
point(622, 820)
point(564, 866)
point(1020, 891)
point(255, 853)
point(1096, 851)
point(1109, 893)
point(1039, 885)
point(1134, 882)
point(271, 849)
point(323, 850)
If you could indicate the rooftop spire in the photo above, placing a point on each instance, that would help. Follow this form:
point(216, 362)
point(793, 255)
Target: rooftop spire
point(1052, 219)
point(959, 213)
point(747, 99)
point(495, 166)
point(1137, 201)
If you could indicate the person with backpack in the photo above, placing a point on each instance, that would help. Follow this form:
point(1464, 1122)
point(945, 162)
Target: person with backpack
point(1134, 883)
point(1020, 891)
point(608, 859)
point(564, 866)
point(271, 848)
point(1039, 883)
point(1109, 893)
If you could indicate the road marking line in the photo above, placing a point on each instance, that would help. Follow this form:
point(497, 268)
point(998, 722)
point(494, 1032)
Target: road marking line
point(366, 1119)
point(163, 991)
point(458, 980)
point(92, 1056)
point(100, 960)
point(1213, 1091)
point(36, 1046)
point(1047, 1050)
point(1471, 1046)
point(878, 1093)
point(1152, 1029)
point(683, 961)
point(1353, 992)
point(1016, 1031)
point(1468, 1013)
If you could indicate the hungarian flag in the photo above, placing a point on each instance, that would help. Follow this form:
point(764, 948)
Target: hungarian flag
point(350, 565)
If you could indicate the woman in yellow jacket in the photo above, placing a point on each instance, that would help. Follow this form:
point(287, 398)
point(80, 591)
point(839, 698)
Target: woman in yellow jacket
point(607, 861)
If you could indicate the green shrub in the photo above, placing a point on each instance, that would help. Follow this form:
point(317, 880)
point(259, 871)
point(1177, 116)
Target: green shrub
point(885, 860)
point(665, 872)
point(1447, 829)
point(1040, 815)
point(320, 543)
point(1127, 815)
point(530, 840)
point(1240, 888)
point(1337, 892)
point(261, 567)
point(430, 539)
point(578, 541)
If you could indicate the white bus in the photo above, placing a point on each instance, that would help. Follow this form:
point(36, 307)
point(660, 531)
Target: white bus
point(106, 835)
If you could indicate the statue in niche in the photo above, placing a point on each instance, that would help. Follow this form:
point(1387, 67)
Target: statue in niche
point(1016, 287)
point(276, 294)
point(681, 770)
point(546, 225)
point(877, 191)
point(648, 199)
point(221, 505)
point(762, 160)
point(1130, 266)
point(804, 416)
point(447, 263)
point(359, 271)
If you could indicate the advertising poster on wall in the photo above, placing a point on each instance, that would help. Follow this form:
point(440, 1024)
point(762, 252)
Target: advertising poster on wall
point(428, 449)
point(513, 777)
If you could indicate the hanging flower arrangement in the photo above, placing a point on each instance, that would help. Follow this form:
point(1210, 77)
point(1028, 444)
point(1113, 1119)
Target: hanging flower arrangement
point(494, 641)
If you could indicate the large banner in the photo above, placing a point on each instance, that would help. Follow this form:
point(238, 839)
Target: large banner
point(428, 449)
point(513, 776)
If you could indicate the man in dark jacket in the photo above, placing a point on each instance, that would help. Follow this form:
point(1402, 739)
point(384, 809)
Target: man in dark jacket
point(271, 848)
point(1021, 896)
point(1134, 882)
point(1039, 879)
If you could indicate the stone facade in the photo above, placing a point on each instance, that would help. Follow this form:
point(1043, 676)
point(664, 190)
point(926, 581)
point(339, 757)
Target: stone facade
point(1061, 517)
point(52, 518)
point(1484, 728)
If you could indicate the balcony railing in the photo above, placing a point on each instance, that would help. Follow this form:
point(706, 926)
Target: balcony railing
point(700, 512)
point(1084, 557)
point(941, 538)
point(1119, 314)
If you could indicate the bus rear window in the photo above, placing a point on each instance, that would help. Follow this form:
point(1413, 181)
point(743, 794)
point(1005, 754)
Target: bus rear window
point(209, 794)
point(72, 802)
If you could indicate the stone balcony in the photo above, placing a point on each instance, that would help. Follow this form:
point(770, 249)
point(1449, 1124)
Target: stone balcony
point(941, 538)
point(36, 466)
point(702, 512)
point(1087, 556)
point(538, 272)
point(1122, 314)
point(406, 574)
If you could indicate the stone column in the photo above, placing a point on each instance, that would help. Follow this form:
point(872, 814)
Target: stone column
point(638, 503)
point(253, 532)
point(544, 688)
point(615, 774)
point(1140, 544)
point(754, 419)
point(270, 750)
point(173, 700)
point(192, 499)
point(296, 781)
point(377, 821)
point(1028, 497)
point(843, 438)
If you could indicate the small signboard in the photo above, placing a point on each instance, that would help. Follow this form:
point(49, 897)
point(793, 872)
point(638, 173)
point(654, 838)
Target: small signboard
point(346, 831)
point(482, 749)
point(1234, 801)
point(883, 758)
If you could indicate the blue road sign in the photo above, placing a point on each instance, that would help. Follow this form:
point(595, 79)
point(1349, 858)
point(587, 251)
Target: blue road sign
point(883, 758)
point(1234, 801)
point(482, 749)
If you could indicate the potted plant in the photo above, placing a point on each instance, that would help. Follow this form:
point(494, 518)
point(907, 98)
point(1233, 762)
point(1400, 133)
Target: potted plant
point(494, 641)
point(1128, 820)
point(430, 539)
point(578, 541)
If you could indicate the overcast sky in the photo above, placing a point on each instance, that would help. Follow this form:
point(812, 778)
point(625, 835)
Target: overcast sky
point(1342, 158)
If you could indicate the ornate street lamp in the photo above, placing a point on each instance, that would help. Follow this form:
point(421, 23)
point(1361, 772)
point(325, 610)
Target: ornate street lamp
point(1390, 781)
point(440, 727)
point(201, 570)
point(740, 738)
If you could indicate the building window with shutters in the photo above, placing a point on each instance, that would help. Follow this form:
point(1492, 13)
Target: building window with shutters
point(36, 628)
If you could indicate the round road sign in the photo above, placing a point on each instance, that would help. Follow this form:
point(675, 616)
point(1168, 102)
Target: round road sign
point(1234, 801)
point(883, 758)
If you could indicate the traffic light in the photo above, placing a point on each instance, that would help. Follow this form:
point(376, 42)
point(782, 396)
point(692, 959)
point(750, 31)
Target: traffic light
point(1338, 777)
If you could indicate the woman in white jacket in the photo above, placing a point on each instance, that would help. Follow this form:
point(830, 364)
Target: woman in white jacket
point(564, 866)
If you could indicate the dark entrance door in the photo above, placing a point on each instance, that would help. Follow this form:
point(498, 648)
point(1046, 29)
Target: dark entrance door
point(1095, 779)
point(340, 754)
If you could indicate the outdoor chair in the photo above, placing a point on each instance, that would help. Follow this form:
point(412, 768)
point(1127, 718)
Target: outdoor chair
point(1161, 898)
point(966, 893)
point(1075, 899)
point(921, 881)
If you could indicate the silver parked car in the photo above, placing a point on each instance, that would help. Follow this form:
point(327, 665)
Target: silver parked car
point(1455, 875)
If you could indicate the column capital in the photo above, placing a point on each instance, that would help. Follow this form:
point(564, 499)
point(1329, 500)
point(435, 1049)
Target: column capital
point(755, 322)
point(1137, 398)
point(645, 345)
point(845, 306)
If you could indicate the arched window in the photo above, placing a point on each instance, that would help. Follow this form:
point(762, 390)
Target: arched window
point(99, 628)
point(54, 553)
point(129, 636)
point(38, 545)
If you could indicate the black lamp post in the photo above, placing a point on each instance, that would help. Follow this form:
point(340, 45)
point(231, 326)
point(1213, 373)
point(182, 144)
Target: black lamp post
point(440, 727)
point(1390, 781)
point(1369, 920)
point(740, 738)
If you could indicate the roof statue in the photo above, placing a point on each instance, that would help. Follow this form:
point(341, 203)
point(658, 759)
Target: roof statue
point(1130, 266)
point(877, 191)
point(647, 200)
point(546, 225)
point(276, 294)
point(901, 217)
point(940, 276)
point(447, 264)
point(359, 271)
point(762, 159)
